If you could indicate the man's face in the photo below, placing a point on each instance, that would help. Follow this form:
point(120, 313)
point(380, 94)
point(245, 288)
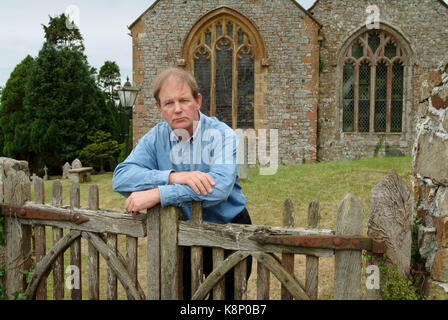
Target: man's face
point(177, 104)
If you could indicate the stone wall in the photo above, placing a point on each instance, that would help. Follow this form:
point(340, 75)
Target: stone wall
point(287, 88)
point(430, 176)
point(412, 21)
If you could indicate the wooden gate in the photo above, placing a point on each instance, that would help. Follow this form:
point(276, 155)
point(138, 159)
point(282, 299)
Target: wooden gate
point(26, 224)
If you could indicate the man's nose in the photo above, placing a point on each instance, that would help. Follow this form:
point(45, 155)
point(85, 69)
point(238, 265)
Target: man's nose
point(177, 107)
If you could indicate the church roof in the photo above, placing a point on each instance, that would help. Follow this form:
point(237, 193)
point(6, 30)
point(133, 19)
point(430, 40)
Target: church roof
point(295, 2)
point(315, 3)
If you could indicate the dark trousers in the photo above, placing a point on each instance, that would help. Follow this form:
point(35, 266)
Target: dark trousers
point(242, 218)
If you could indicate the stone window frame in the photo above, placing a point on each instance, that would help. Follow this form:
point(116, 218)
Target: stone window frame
point(257, 47)
point(406, 58)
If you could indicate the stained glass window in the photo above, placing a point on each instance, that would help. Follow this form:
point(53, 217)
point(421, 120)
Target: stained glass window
point(364, 97)
point(374, 41)
point(227, 84)
point(202, 73)
point(397, 97)
point(224, 81)
point(381, 97)
point(373, 84)
point(245, 89)
point(348, 97)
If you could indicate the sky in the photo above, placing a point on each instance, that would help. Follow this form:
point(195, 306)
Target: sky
point(103, 24)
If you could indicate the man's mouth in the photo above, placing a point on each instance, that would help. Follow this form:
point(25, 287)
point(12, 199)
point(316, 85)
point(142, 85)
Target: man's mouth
point(179, 119)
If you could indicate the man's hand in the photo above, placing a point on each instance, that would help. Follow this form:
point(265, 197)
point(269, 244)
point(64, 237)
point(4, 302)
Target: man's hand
point(141, 200)
point(199, 182)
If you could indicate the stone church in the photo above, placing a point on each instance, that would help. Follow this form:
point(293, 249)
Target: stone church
point(338, 81)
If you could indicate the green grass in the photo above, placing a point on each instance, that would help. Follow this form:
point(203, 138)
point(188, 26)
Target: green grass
point(327, 182)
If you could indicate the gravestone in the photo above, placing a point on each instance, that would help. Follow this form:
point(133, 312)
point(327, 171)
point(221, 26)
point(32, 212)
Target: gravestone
point(76, 164)
point(79, 174)
point(65, 170)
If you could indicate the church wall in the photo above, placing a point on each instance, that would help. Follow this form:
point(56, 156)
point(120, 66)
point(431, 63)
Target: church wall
point(288, 86)
point(423, 23)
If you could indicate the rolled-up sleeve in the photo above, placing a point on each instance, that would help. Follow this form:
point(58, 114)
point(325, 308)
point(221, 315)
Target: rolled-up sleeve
point(139, 170)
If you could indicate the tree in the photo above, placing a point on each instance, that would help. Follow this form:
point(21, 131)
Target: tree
point(13, 143)
point(63, 105)
point(109, 79)
point(101, 149)
point(58, 34)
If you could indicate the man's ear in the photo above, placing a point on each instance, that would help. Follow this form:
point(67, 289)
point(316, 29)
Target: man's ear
point(199, 101)
point(158, 106)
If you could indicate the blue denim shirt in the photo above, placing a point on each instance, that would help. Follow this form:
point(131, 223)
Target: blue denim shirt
point(212, 149)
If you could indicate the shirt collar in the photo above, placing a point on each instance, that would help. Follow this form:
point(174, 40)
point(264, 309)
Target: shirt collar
point(196, 133)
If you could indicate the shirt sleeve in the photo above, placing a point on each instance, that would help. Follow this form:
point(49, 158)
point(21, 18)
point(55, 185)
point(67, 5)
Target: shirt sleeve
point(140, 171)
point(223, 169)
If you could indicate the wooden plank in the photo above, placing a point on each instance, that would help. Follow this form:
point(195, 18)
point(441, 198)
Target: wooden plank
point(153, 253)
point(197, 268)
point(39, 237)
point(294, 286)
point(117, 264)
point(219, 291)
point(14, 176)
point(100, 221)
point(169, 253)
point(44, 265)
point(58, 266)
point(348, 263)
point(288, 258)
point(94, 258)
point(131, 258)
point(241, 281)
point(239, 237)
point(217, 274)
point(312, 263)
point(111, 288)
point(263, 282)
point(75, 247)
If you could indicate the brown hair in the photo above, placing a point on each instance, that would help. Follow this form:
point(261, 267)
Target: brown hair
point(179, 73)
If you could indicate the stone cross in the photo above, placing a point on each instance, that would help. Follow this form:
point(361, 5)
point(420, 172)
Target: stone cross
point(45, 176)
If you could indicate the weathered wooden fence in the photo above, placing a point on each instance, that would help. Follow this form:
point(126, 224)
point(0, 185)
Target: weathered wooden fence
point(26, 223)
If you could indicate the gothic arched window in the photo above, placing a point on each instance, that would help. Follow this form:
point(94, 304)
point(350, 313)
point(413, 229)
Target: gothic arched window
point(373, 84)
point(222, 59)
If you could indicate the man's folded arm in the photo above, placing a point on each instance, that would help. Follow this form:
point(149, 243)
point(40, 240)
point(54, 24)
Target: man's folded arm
point(224, 176)
point(135, 175)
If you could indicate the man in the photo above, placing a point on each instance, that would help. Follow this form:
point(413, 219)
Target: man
point(189, 157)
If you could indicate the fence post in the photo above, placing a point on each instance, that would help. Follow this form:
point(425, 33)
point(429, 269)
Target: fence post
point(39, 237)
point(15, 189)
point(348, 263)
point(94, 257)
point(197, 268)
point(153, 253)
point(312, 263)
point(75, 247)
point(170, 254)
point(58, 233)
point(287, 258)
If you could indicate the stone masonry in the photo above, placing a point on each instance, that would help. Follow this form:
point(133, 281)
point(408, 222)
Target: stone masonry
point(291, 94)
point(286, 88)
point(420, 26)
point(430, 176)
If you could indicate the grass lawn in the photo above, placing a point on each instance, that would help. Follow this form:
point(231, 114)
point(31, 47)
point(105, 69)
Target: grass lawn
point(327, 182)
